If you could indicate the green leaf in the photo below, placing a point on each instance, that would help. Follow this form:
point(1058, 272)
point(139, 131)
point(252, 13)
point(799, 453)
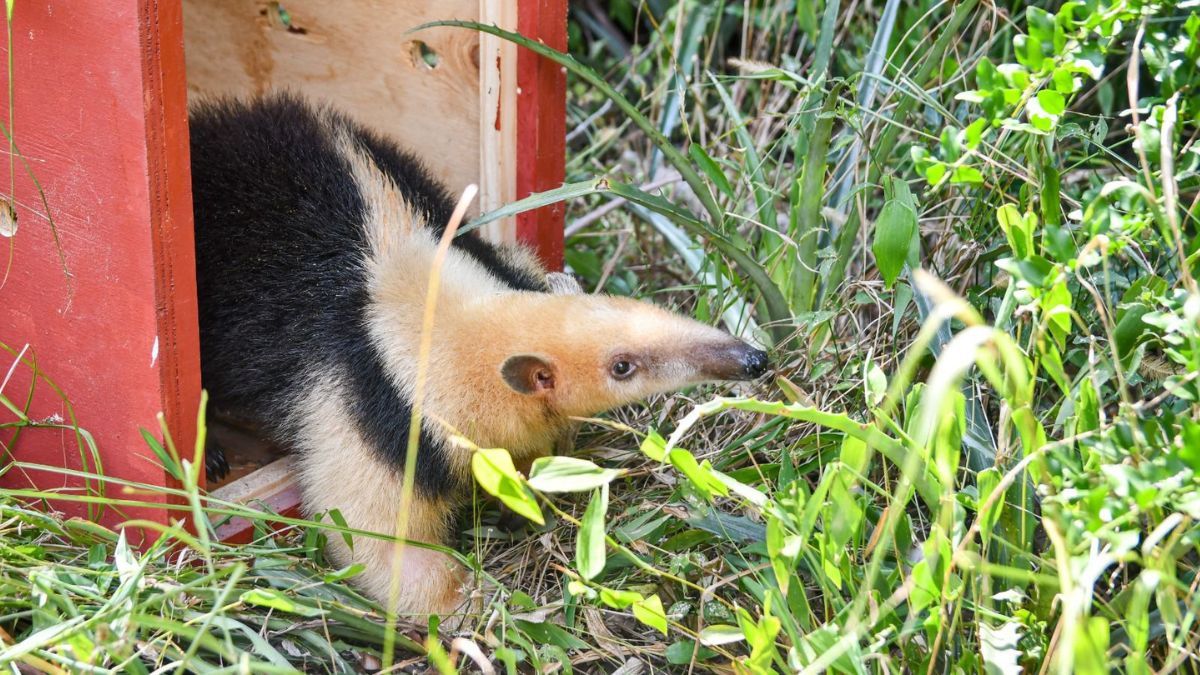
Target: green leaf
point(843, 516)
point(681, 653)
point(854, 454)
point(618, 599)
point(926, 589)
point(589, 545)
point(169, 464)
point(496, 475)
point(1056, 304)
point(782, 563)
point(550, 634)
point(734, 528)
point(699, 475)
point(1051, 196)
point(987, 481)
point(986, 75)
point(1020, 238)
point(710, 168)
point(951, 144)
point(273, 599)
point(809, 218)
point(974, 133)
point(894, 231)
point(655, 446)
point(875, 383)
point(1052, 102)
point(1091, 646)
point(537, 201)
point(806, 18)
point(935, 173)
point(338, 519)
point(578, 588)
point(750, 494)
point(966, 174)
point(650, 612)
point(760, 635)
point(1087, 407)
point(1131, 328)
point(345, 573)
point(720, 634)
point(568, 474)
point(437, 656)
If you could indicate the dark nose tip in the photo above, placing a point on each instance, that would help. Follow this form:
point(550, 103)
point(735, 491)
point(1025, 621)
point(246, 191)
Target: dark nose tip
point(755, 363)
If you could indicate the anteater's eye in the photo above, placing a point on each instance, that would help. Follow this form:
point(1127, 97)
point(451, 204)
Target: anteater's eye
point(622, 369)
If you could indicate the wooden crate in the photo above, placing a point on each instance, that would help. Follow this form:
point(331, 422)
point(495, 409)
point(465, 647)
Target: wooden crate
point(98, 303)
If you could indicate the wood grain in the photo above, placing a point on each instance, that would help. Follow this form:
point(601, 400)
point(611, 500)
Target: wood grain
point(357, 55)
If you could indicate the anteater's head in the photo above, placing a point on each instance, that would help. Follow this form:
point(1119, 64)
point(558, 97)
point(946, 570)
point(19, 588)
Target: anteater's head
point(587, 353)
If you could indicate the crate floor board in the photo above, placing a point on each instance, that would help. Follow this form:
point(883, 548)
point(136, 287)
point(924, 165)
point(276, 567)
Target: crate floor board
point(261, 473)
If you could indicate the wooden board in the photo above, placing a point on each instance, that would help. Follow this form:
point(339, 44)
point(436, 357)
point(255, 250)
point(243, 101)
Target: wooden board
point(273, 486)
point(358, 55)
point(108, 311)
point(497, 122)
point(542, 126)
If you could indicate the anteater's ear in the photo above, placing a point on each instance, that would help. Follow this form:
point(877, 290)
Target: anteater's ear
point(528, 374)
point(561, 283)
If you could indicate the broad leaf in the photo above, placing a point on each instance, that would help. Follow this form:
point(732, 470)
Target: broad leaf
point(568, 474)
point(650, 612)
point(589, 545)
point(495, 473)
point(894, 231)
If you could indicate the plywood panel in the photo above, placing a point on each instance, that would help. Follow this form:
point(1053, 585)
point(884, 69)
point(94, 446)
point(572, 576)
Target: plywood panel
point(356, 54)
point(498, 122)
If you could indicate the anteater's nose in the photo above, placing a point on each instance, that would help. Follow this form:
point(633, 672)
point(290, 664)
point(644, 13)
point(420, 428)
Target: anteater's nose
point(755, 363)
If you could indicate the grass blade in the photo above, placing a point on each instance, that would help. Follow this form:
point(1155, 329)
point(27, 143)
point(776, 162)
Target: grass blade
point(812, 192)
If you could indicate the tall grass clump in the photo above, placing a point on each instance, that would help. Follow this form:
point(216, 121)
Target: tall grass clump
point(967, 233)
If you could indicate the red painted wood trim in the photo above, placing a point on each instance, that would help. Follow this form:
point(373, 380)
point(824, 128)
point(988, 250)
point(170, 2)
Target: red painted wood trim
point(100, 117)
point(164, 82)
point(541, 125)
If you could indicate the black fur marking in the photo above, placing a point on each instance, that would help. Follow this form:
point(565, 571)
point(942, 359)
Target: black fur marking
point(280, 250)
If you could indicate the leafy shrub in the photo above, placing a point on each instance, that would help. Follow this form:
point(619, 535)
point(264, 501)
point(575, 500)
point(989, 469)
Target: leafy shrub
point(1016, 484)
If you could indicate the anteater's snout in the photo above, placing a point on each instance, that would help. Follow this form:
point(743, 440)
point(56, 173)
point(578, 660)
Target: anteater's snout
point(755, 363)
point(731, 360)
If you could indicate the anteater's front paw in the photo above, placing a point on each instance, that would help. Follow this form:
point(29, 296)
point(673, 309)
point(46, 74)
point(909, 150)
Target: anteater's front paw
point(216, 465)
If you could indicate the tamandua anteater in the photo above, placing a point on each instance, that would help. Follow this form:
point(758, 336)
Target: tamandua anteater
point(314, 245)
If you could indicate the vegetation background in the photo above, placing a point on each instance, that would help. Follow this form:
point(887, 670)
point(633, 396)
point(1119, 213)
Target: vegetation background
point(967, 232)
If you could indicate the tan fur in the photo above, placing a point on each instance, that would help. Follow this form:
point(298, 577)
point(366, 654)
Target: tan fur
point(479, 324)
point(339, 471)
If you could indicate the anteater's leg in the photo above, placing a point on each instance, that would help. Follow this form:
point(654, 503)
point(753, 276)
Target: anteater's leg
point(340, 470)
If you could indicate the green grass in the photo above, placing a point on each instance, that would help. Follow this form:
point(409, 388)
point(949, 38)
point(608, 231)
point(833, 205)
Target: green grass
point(976, 273)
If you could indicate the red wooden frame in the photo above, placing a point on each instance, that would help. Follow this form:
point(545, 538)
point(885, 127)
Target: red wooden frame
point(106, 307)
point(542, 126)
